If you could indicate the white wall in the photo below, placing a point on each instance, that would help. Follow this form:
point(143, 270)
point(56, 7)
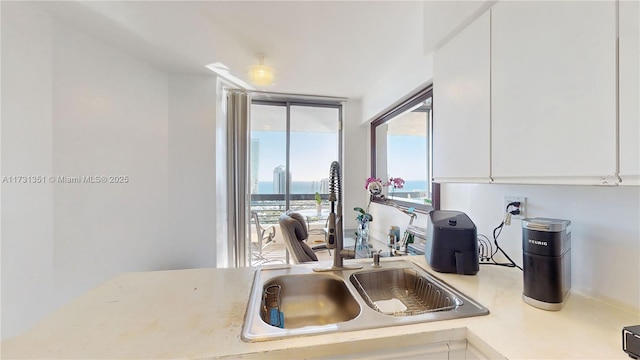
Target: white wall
point(385, 216)
point(445, 19)
point(355, 166)
point(73, 105)
point(413, 72)
point(27, 216)
point(110, 118)
point(192, 171)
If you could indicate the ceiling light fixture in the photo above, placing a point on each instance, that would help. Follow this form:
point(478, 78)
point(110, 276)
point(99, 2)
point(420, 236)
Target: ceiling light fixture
point(261, 74)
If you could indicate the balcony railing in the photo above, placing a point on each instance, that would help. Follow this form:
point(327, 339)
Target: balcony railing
point(270, 206)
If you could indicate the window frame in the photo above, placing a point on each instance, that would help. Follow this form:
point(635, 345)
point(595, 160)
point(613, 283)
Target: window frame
point(406, 105)
point(287, 103)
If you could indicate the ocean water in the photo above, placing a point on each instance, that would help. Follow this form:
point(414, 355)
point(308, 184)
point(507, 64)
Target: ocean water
point(310, 187)
point(297, 187)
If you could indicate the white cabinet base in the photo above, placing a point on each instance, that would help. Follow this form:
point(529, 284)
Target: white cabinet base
point(557, 180)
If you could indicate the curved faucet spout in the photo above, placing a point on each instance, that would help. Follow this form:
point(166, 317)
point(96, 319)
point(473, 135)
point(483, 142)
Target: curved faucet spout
point(335, 233)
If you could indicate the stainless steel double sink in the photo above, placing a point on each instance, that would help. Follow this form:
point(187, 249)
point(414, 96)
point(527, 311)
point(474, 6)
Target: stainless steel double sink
point(294, 300)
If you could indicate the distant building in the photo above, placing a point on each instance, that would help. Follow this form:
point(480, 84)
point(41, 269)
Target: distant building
point(279, 180)
point(324, 186)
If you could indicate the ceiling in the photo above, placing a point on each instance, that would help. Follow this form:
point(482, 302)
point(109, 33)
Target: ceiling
point(332, 48)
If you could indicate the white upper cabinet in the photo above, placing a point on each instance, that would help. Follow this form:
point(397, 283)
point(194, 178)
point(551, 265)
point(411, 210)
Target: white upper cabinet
point(553, 92)
point(629, 95)
point(461, 113)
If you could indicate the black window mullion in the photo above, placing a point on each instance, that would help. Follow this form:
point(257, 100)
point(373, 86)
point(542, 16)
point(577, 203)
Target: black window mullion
point(287, 182)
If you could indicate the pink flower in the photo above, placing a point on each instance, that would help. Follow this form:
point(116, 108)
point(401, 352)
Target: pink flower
point(369, 181)
point(396, 183)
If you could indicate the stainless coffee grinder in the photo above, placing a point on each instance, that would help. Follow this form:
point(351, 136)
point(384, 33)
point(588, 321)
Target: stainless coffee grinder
point(546, 258)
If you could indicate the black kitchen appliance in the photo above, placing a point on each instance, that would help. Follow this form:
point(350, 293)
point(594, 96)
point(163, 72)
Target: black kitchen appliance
point(546, 258)
point(452, 244)
point(631, 341)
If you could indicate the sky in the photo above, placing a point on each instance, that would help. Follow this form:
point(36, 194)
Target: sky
point(314, 142)
point(312, 154)
point(403, 149)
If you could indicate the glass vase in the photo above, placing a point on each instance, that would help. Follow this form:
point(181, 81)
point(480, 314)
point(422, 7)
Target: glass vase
point(362, 242)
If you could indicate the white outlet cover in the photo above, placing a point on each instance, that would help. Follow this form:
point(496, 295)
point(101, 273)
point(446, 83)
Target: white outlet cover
point(523, 205)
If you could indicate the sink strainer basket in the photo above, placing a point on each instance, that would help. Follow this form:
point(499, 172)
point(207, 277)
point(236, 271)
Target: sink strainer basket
point(403, 292)
point(271, 306)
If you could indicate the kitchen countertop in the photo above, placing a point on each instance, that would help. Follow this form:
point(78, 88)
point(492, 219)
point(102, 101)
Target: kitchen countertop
point(199, 314)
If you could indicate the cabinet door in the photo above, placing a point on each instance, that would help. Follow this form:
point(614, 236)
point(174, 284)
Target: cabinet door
point(629, 92)
point(461, 98)
point(554, 92)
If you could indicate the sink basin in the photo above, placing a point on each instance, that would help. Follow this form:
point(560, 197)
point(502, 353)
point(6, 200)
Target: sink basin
point(403, 292)
point(313, 299)
point(290, 301)
point(310, 303)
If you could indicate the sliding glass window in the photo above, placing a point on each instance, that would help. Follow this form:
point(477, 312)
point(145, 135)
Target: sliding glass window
point(292, 147)
point(313, 143)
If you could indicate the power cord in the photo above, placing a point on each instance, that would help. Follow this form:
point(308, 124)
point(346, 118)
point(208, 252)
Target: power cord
point(484, 248)
point(485, 244)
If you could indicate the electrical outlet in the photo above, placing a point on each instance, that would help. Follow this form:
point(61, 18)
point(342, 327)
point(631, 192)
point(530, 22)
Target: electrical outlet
point(523, 205)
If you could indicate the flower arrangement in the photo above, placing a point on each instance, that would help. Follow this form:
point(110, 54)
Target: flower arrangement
point(371, 180)
point(375, 186)
point(396, 183)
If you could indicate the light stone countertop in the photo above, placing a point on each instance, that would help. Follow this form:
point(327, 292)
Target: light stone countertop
point(199, 313)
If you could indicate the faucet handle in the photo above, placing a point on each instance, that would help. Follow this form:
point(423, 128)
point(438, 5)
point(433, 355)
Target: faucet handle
point(376, 259)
